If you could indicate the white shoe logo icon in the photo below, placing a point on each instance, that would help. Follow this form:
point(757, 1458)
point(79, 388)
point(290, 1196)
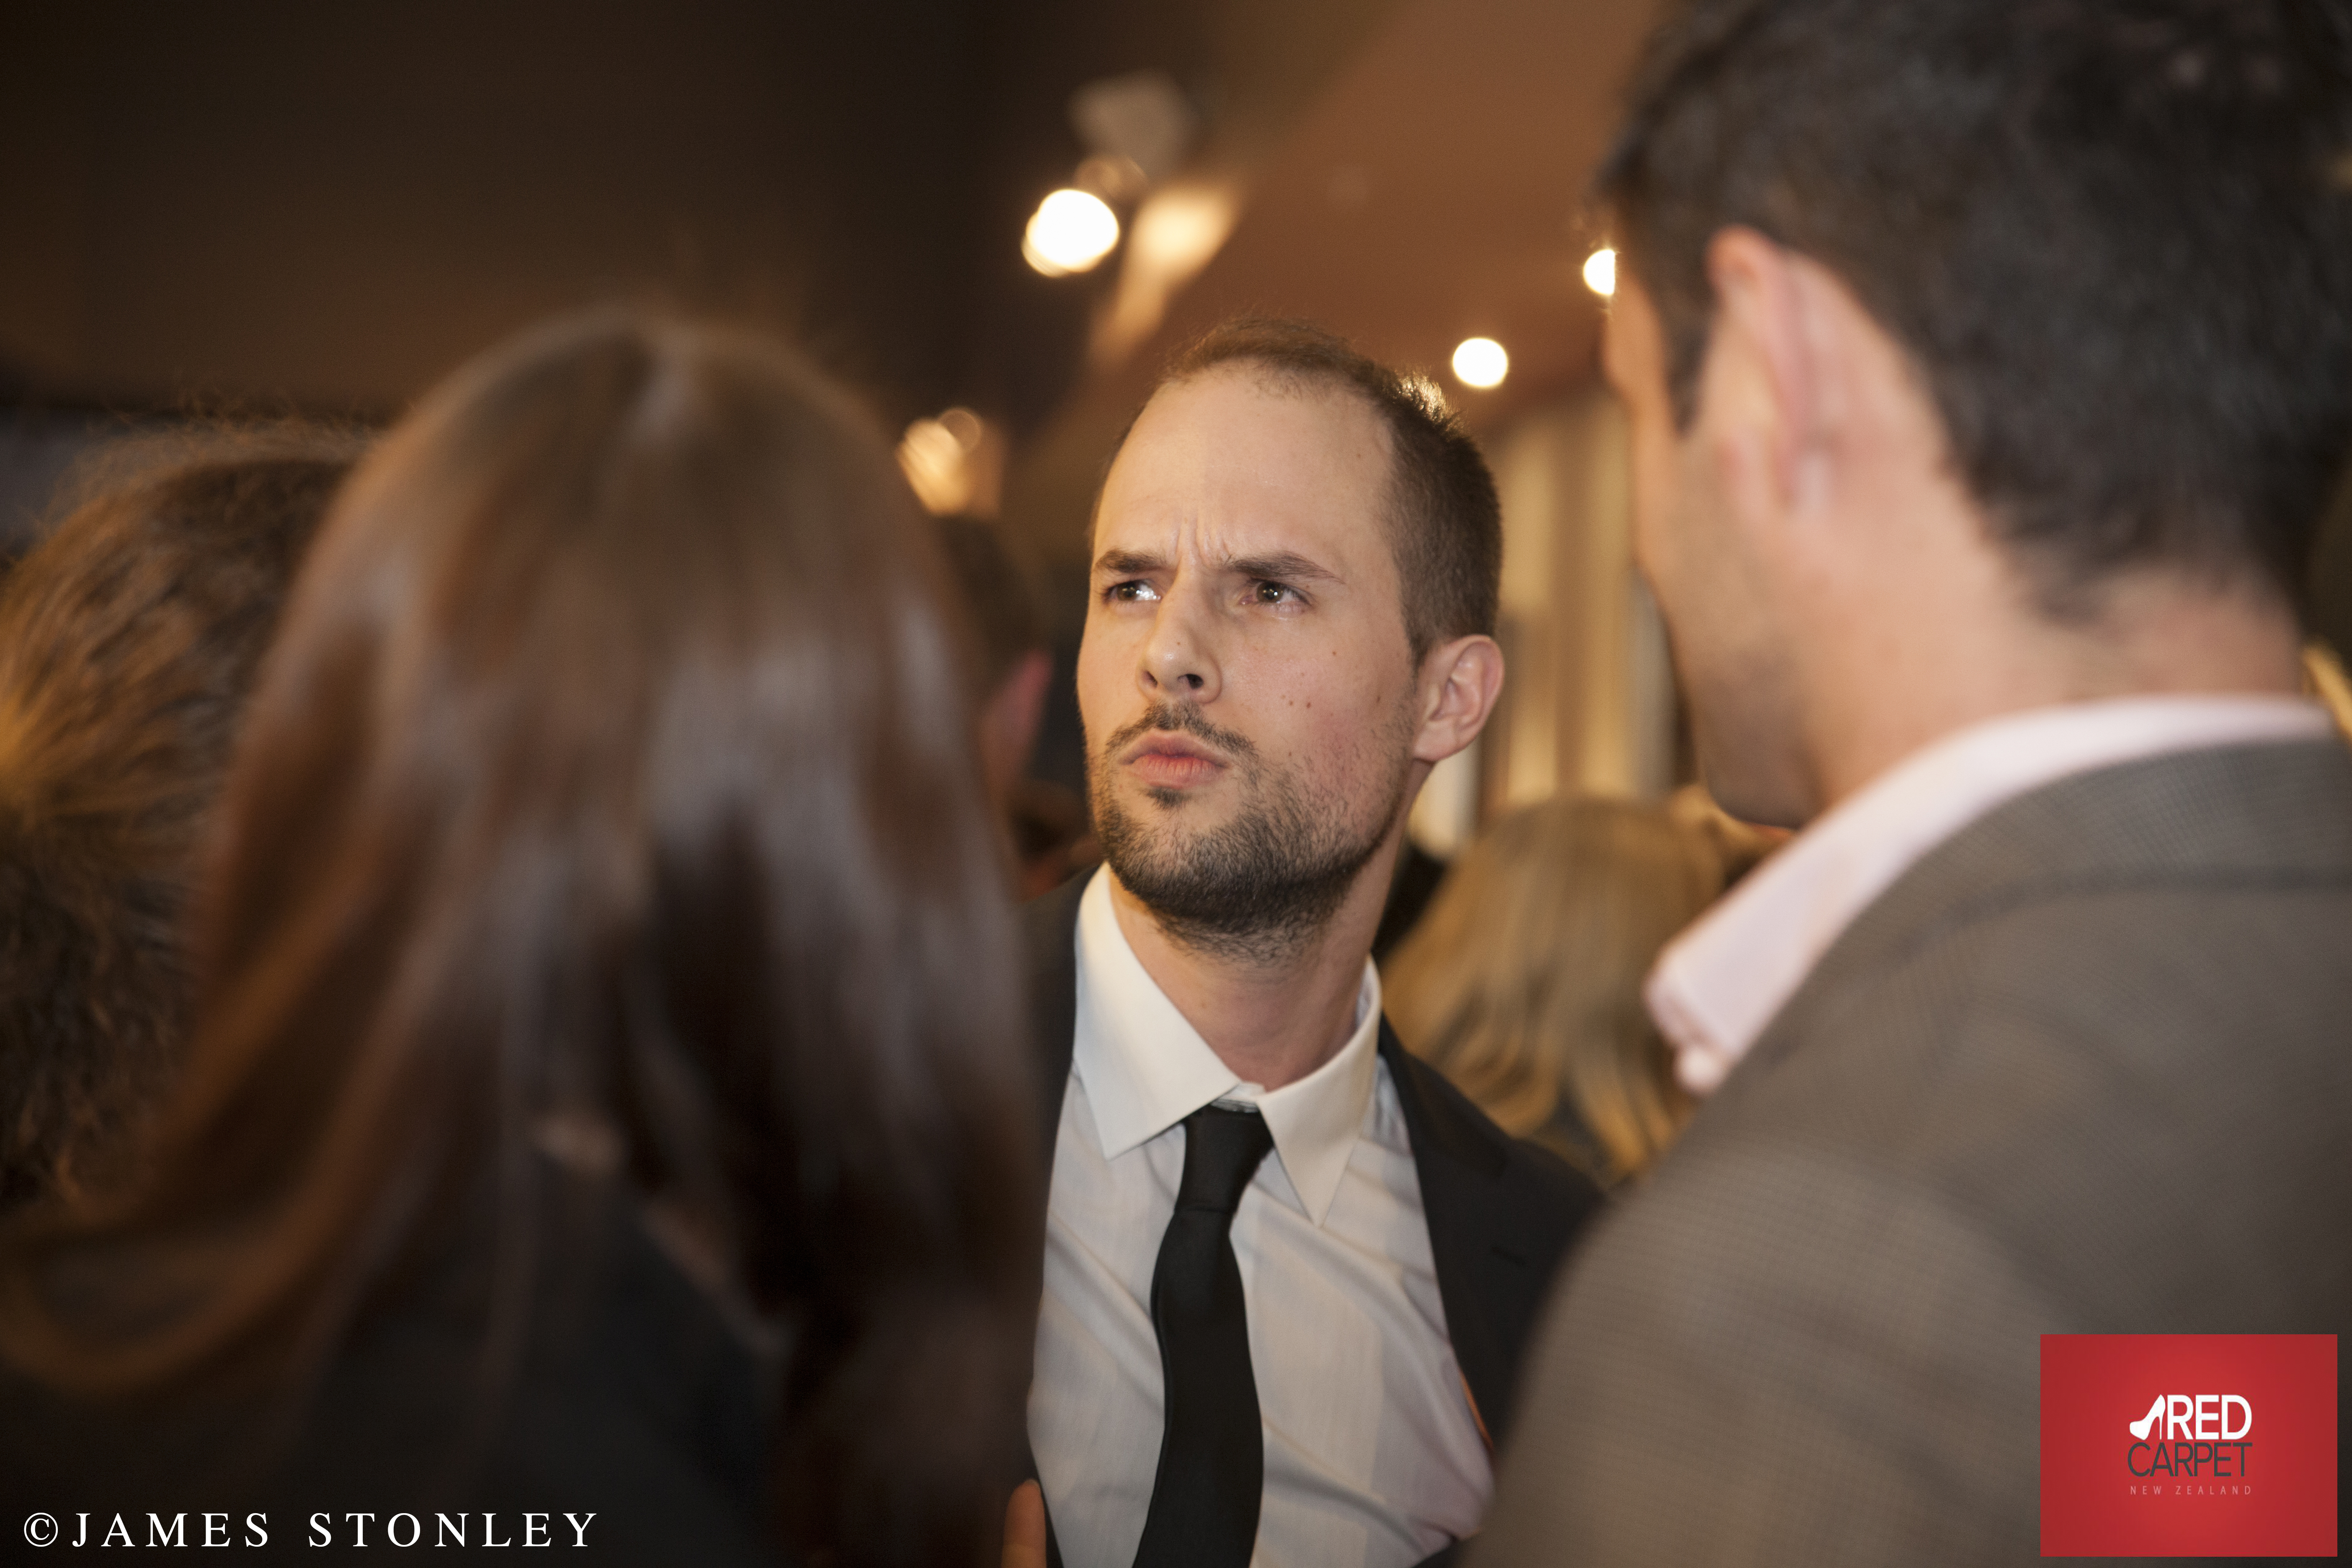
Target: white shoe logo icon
point(2140, 1428)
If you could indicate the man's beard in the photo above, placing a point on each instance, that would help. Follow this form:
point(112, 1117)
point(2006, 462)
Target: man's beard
point(1260, 887)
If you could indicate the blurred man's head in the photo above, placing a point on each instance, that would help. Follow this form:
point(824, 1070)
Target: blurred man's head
point(1936, 307)
point(1296, 559)
point(129, 639)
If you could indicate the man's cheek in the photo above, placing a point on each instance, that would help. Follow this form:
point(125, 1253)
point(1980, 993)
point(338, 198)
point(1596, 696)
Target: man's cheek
point(1654, 501)
point(1098, 698)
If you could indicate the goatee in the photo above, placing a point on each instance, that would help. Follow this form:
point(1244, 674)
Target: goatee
point(1260, 887)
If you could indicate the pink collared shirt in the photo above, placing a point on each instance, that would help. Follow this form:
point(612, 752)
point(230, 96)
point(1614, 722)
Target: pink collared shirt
point(1717, 985)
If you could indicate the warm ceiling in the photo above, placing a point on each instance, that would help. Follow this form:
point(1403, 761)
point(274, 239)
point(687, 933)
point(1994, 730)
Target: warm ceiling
point(1433, 192)
point(277, 201)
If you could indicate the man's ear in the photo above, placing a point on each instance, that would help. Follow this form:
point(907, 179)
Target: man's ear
point(1459, 683)
point(1764, 382)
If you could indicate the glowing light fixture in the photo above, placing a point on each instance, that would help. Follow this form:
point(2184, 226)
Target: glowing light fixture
point(1601, 272)
point(1170, 238)
point(1481, 363)
point(1070, 231)
point(953, 462)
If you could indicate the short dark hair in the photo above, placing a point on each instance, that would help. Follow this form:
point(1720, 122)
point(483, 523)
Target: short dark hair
point(1445, 521)
point(129, 641)
point(2114, 236)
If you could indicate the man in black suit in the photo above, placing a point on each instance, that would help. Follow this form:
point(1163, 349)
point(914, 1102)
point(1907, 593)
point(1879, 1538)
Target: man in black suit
point(1289, 1269)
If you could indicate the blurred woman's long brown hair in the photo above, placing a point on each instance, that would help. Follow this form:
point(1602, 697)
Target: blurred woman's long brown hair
point(613, 772)
point(1523, 982)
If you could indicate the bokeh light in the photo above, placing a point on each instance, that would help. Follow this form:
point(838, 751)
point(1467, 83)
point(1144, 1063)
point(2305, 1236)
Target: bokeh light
point(940, 460)
point(1070, 232)
point(1481, 363)
point(1601, 272)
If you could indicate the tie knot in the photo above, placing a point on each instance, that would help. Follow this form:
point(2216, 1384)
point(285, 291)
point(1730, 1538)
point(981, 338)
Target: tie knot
point(1223, 1149)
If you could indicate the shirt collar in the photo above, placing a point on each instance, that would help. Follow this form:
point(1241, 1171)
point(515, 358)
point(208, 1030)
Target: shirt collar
point(1717, 985)
point(1145, 1068)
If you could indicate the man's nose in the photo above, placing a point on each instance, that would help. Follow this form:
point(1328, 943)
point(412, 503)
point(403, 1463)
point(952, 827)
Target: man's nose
point(1180, 658)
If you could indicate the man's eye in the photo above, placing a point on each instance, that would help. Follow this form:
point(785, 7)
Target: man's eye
point(1131, 593)
point(1267, 592)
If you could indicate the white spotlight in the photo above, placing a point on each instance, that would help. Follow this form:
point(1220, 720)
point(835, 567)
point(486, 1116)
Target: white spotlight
point(1481, 363)
point(1070, 231)
point(1601, 272)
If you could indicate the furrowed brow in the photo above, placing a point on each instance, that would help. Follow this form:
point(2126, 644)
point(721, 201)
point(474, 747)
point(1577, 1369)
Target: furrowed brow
point(1280, 567)
point(1128, 564)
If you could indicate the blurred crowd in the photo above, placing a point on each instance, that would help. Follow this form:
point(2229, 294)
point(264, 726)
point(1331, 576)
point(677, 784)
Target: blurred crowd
point(537, 983)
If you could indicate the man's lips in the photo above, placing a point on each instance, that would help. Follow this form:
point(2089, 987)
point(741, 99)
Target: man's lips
point(1168, 761)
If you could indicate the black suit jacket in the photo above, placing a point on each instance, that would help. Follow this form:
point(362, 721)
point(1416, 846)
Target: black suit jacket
point(1501, 1212)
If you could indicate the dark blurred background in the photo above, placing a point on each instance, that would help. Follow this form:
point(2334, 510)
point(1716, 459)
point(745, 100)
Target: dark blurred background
point(260, 206)
point(329, 205)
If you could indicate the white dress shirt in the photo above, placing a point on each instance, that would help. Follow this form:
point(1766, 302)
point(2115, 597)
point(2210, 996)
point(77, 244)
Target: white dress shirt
point(1373, 1456)
point(1717, 985)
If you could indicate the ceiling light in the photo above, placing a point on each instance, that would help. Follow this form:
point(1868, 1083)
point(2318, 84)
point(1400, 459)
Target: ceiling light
point(1601, 272)
point(1118, 181)
point(955, 463)
point(1481, 363)
point(1070, 231)
point(1143, 117)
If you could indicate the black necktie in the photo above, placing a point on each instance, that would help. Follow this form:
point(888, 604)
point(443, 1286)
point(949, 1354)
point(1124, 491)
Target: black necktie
point(1204, 1500)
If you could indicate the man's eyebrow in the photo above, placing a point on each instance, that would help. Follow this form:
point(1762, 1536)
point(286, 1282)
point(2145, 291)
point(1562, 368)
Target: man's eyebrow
point(1129, 563)
point(1282, 566)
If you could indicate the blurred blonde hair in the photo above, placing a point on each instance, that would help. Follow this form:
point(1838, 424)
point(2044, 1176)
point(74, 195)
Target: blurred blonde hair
point(1523, 982)
point(2324, 678)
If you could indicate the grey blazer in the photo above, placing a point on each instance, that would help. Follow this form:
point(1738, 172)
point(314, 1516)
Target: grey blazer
point(2087, 1068)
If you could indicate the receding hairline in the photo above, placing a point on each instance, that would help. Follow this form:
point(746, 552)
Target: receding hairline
point(1292, 382)
point(1284, 379)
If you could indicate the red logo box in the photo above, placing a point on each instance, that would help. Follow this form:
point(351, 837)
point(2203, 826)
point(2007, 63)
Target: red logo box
point(2188, 1445)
